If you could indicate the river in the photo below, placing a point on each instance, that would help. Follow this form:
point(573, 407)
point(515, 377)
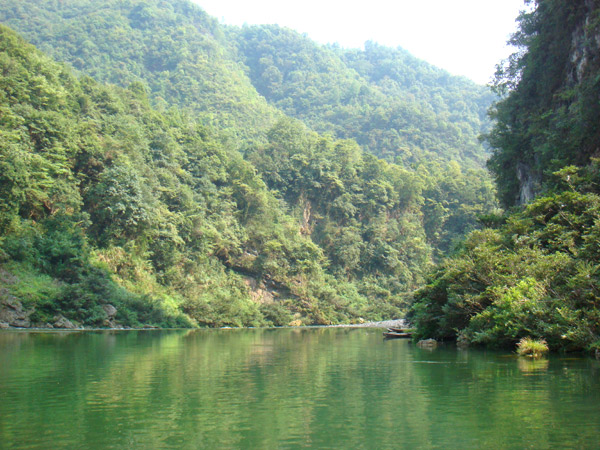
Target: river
point(286, 388)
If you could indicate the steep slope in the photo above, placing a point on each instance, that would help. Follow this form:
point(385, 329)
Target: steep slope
point(392, 104)
point(173, 47)
point(536, 272)
point(106, 199)
point(548, 117)
point(188, 60)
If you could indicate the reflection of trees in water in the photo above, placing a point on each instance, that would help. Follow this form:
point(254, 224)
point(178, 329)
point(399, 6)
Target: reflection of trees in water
point(530, 366)
point(278, 388)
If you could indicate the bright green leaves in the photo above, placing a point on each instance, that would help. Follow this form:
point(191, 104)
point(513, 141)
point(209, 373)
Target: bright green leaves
point(117, 206)
point(36, 145)
point(537, 275)
point(363, 212)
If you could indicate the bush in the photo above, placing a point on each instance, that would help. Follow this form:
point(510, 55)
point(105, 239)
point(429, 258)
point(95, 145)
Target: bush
point(276, 314)
point(535, 348)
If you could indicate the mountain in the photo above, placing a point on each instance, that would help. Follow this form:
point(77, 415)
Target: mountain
point(534, 273)
point(548, 116)
point(174, 48)
point(198, 194)
point(106, 199)
point(392, 104)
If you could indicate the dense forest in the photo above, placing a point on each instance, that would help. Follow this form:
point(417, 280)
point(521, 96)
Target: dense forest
point(95, 182)
point(536, 271)
point(159, 168)
point(393, 105)
point(189, 190)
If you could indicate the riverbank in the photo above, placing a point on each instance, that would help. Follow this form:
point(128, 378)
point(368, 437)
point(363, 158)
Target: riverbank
point(395, 323)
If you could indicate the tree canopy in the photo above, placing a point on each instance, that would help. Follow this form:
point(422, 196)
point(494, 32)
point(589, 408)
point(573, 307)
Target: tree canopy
point(534, 273)
point(209, 175)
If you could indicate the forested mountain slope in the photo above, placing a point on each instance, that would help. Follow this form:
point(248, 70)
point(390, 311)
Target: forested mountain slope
point(173, 47)
point(548, 117)
point(395, 106)
point(194, 199)
point(105, 199)
point(536, 272)
point(392, 104)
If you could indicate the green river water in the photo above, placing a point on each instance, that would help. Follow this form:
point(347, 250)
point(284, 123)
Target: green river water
point(286, 388)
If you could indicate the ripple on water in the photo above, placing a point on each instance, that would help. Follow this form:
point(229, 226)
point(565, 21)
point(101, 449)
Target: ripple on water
point(322, 388)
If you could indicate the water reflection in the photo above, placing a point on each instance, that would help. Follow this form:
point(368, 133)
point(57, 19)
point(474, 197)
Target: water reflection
point(532, 366)
point(322, 388)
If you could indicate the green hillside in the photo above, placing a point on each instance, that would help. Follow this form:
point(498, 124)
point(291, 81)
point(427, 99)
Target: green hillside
point(196, 189)
point(392, 104)
point(105, 199)
point(174, 48)
point(536, 272)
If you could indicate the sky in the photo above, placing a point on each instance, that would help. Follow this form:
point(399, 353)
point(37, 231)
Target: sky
point(465, 37)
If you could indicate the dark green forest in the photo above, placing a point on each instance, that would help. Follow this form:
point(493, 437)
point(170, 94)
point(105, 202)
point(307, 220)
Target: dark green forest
point(190, 173)
point(534, 272)
point(149, 163)
point(393, 105)
point(101, 190)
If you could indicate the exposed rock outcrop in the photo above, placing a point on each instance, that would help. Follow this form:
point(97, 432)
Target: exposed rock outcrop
point(12, 311)
point(528, 182)
point(259, 292)
point(110, 310)
point(61, 321)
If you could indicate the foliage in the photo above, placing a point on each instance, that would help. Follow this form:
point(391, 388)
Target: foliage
point(532, 347)
point(547, 118)
point(184, 195)
point(536, 273)
point(536, 276)
point(174, 48)
point(240, 81)
point(392, 104)
point(103, 172)
point(147, 211)
point(363, 212)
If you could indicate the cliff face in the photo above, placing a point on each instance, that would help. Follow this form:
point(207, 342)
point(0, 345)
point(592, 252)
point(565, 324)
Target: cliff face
point(582, 64)
point(585, 45)
point(548, 118)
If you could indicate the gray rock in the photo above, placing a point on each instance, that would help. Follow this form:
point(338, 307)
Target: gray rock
point(109, 323)
point(4, 325)
point(12, 312)
point(20, 323)
point(110, 310)
point(61, 321)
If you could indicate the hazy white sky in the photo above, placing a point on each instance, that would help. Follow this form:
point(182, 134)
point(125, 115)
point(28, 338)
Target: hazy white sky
point(465, 37)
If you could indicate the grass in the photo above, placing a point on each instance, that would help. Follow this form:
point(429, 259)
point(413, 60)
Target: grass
point(534, 348)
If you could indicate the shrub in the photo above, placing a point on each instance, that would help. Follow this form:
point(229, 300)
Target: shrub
point(535, 348)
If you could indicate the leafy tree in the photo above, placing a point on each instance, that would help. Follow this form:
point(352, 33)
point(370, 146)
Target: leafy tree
point(547, 116)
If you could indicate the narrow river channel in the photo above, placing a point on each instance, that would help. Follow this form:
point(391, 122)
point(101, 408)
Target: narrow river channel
point(286, 388)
